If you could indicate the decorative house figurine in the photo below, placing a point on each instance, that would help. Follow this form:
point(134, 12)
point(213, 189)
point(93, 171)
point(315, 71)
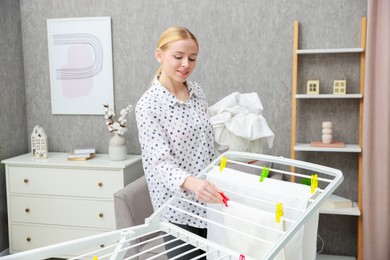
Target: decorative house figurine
point(339, 87)
point(313, 87)
point(39, 142)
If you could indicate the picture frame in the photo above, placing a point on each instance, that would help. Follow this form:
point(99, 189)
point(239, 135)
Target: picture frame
point(80, 64)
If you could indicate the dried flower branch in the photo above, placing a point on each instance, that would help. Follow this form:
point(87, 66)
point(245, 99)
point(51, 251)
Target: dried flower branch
point(116, 126)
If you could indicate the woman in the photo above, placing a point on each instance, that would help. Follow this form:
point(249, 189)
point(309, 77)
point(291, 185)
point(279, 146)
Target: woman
point(175, 133)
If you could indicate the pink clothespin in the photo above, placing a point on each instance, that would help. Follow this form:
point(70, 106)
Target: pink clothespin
point(242, 257)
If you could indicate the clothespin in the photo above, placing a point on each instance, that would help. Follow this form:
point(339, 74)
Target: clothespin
point(242, 257)
point(224, 199)
point(279, 211)
point(95, 258)
point(314, 182)
point(222, 165)
point(264, 173)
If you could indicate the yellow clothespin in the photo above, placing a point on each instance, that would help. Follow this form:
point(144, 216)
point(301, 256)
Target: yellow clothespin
point(95, 258)
point(264, 173)
point(222, 165)
point(314, 182)
point(279, 211)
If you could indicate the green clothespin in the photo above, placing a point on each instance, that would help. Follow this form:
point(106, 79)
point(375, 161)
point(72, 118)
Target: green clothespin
point(264, 173)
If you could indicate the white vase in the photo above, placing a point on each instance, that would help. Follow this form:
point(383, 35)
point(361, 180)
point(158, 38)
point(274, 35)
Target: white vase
point(117, 148)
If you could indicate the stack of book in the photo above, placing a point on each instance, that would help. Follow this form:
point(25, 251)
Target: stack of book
point(81, 153)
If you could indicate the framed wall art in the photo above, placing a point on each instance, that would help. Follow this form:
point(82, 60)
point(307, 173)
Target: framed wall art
point(80, 61)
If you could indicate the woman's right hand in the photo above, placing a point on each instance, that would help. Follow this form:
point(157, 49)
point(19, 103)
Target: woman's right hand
point(204, 190)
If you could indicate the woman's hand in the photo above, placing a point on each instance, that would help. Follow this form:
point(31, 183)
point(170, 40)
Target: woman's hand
point(204, 191)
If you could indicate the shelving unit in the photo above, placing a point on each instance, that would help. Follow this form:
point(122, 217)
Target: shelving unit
point(331, 96)
point(349, 148)
point(354, 211)
point(357, 209)
point(324, 51)
point(334, 257)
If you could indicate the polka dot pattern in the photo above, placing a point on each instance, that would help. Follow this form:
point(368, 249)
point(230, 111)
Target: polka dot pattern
point(176, 141)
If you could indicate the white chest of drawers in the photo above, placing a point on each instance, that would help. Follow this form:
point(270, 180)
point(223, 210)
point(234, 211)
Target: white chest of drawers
point(54, 200)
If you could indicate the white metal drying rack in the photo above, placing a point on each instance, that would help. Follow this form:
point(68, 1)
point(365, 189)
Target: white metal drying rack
point(119, 241)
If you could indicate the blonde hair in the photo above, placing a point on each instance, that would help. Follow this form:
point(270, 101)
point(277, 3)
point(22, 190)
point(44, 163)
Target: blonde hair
point(173, 34)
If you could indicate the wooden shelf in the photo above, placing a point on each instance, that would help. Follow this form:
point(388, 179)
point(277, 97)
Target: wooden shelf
point(354, 211)
point(329, 96)
point(334, 257)
point(349, 148)
point(330, 51)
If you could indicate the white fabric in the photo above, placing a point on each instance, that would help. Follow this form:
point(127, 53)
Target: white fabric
point(301, 246)
point(238, 123)
point(243, 244)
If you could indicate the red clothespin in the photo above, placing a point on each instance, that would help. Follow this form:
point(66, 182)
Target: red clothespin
point(224, 199)
point(242, 257)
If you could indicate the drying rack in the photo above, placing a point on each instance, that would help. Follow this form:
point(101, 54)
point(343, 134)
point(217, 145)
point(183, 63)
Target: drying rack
point(324, 180)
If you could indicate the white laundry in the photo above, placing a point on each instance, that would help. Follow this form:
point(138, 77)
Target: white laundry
point(301, 246)
point(239, 239)
point(238, 123)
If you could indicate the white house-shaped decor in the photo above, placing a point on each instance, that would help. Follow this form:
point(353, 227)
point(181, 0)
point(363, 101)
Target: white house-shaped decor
point(313, 87)
point(39, 143)
point(339, 87)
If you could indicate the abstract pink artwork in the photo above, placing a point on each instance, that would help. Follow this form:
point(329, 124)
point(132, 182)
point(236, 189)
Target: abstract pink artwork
point(80, 64)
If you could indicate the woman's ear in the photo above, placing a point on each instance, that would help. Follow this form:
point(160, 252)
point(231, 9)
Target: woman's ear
point(158, 55)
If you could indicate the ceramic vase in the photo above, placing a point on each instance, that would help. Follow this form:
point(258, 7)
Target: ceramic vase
point(117, 148)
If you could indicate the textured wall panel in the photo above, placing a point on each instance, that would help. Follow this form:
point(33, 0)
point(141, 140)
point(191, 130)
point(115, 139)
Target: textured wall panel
point(244, 46)
point(13, 121)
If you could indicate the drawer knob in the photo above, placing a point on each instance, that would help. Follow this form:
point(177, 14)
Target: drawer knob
point(101, 215)
point(100, 184)
point(102, 245)
point(28, 239)
point(25, 181)
point(27, 210)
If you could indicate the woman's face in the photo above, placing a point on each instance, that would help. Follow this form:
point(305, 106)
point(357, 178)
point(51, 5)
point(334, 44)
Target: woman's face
point(178, 60)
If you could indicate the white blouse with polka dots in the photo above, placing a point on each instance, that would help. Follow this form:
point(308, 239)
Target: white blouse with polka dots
point(176, 141)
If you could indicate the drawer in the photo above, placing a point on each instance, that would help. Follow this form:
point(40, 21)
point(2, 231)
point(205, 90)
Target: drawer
point(62, 211)
point(61, 181)
point(25, 237)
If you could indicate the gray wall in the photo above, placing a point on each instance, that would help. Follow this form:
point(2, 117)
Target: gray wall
point(245, 46)
point(13, 120)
